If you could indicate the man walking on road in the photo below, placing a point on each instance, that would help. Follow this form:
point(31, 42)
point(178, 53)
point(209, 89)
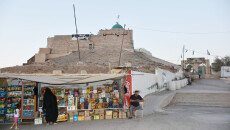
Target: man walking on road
point(135, 105)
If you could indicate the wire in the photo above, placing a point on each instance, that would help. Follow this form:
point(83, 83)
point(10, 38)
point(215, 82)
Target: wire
point(190, 33)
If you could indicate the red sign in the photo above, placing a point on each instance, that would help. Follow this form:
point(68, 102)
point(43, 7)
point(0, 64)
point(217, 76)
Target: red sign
point(128, 85)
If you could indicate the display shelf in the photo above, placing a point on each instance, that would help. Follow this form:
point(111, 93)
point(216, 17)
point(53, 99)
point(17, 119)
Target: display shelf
point(28, 110)
point(15, 91)
point(62, 106)
point(3, 94)
point(28, 114)
point(27, 94)
point(28, 88)
point(62, 120)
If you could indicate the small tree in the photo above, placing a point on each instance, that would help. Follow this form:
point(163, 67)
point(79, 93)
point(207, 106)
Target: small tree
point(220, 62)
point(226, 61)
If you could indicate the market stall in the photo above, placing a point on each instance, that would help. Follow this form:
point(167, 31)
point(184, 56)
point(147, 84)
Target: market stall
point(77, 103)
point(79, 97)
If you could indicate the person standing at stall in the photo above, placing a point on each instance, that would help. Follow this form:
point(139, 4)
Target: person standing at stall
point(16, 116)
point(50, 107)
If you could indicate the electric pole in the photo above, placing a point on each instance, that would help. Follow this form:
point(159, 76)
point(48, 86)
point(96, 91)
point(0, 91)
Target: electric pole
point(79, 56)
point(122, 45)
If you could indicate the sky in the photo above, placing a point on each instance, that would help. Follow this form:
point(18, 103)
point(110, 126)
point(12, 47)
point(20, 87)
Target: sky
point(160, 26)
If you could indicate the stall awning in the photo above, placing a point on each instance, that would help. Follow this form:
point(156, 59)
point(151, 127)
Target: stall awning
point(66, 79)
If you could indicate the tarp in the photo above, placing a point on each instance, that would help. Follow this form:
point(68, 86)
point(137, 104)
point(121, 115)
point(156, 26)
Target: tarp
point(66, 79)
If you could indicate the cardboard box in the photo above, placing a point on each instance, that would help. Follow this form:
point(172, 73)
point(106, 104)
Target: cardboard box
point(71, 113)
point(70, 118)
point(87, 118)
point(122, 115)
point(75, 112)
point(115, 115)
point(75, 117)
point(81, 113)
point(102, 116)
point(109, 113)
point(96, 117)
point(99, 111)
point(86, 113)
point(108, 117)
point(81, 118)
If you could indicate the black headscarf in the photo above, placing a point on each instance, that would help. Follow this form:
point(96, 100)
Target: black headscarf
point(50, 106)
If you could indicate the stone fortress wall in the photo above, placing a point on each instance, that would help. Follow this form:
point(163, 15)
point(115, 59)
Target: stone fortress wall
point(62, 45)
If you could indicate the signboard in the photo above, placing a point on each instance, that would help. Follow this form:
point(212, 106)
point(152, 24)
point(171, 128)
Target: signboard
point(80, 36)
point(196, 60)
point(128, 85)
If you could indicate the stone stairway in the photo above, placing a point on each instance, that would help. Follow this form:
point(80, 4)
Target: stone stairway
point(220, 99)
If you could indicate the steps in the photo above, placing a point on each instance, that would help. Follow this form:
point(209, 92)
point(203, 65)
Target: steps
point(220, 99)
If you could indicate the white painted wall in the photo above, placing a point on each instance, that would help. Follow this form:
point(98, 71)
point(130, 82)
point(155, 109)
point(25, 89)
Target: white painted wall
point(146, 82)
point(225, 71)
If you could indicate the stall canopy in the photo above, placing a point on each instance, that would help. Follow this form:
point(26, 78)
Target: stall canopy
point(66, 79)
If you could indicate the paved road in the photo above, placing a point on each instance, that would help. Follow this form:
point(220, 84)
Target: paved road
point(173, 118)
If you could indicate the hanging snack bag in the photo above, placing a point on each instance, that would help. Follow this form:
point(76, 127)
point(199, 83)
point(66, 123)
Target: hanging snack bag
point(110, 88)
point(99, 90)
point(82, 100)
point(91, 89)
point(88, 90)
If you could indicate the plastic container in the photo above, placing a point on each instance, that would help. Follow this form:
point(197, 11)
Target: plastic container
point(178, 85)
point(172, 86)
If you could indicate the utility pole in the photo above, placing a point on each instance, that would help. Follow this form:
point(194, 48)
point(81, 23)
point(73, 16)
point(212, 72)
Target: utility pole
point(122, 45)
point(79, 56)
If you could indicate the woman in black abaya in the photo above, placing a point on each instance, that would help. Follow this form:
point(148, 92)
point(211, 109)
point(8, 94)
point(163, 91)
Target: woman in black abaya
point(50, 106)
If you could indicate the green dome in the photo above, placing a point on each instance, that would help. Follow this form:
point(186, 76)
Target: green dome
point(117, 26)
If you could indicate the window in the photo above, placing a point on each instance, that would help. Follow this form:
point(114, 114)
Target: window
point(90, 46)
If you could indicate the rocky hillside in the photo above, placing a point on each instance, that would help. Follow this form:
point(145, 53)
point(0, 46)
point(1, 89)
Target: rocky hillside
point(93, 61)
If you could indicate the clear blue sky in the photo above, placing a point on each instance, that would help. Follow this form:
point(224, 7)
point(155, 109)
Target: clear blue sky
point(26, 24)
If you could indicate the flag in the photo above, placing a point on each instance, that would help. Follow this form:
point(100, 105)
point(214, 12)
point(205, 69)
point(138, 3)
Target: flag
point(118, 16)
point(193, 52)
point(208, 52)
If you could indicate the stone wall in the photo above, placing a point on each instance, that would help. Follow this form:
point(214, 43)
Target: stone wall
point(62, 45)
point(105, 39)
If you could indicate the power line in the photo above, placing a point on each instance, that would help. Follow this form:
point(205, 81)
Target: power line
point(189, 33)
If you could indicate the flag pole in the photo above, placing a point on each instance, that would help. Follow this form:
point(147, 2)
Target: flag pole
point(183, 58)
